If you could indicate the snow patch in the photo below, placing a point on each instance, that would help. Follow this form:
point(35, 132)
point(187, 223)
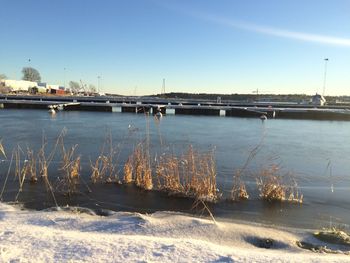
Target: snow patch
point(62, 235)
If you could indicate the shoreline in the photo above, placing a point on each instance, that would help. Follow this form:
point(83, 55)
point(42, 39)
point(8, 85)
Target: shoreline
point(159, 237)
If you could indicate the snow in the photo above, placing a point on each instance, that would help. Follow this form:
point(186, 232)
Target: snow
point(79, 235)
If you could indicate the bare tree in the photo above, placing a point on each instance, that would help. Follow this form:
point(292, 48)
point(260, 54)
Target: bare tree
point(92, 89)
point(3, 88)
point(31, 74)
point(74, 87)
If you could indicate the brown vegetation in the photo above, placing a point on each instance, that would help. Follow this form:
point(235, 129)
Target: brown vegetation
point(138, 168)
point(273, 186)
point(2, 150)
point(128, 171)
point(70, 166)
point(192, 175)
point(105, 167)
point(238, 191)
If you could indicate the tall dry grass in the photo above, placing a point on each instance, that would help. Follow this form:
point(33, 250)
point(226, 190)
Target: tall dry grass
point(200, 174)
point(238, 191)
point(275, 186)
point(2, 150)
point(168, 174)
point(70, 167)
point(31, 165)
point(138, 168)
point(193, 174)
point(25, 169)
point(104, 169)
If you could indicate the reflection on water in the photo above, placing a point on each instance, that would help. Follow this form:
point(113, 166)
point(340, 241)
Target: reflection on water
point(316, 152)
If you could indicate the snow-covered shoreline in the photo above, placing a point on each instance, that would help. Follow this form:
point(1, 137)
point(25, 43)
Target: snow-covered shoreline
point(61, 236)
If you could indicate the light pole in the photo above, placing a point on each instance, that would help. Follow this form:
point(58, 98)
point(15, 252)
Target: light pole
point(64, 77)
point(98, 84)
point(325, 75)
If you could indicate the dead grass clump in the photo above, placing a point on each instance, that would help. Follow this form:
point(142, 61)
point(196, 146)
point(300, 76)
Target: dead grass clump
point(102, 170)
point(105, 167)
point(139, 165)
point(70, 166)
point(20, 172)
point(273, 186)
point(24, 169)
point(192, 175)
point(31, 166)
point(168, 174)
point(128, 171)
point(238, 191)
point(200, 175)
point(44, 163)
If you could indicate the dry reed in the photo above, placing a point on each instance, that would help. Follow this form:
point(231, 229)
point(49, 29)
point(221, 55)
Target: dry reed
point(44, 162)
point(27, 170)
point(105, 167)
point(31, 166)
point(273, 186)
point(2, 150)
point(200, 175)
point(168, 174)
point(238, 191)
point(128, 171)
point(70, 165)
point(191, 175)
point(138, 168)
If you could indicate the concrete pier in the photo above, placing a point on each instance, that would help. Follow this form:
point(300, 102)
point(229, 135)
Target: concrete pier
point(87, 107)
point(313, 114)
point(251, 112)
point(129, 109)
point(197, 110)
point(73, 104)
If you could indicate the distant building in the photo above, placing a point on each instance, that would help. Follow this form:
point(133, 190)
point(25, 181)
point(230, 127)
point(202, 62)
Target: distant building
point(318, 100)
point(56, 89)
point(19, 85)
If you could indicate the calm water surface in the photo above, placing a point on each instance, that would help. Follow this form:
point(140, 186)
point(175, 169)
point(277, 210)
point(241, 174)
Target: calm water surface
point(317, 153)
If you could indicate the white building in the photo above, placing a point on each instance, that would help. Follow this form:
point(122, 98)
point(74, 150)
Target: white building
point(19, 85)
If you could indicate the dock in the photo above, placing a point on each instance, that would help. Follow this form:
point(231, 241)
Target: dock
point(178, 107)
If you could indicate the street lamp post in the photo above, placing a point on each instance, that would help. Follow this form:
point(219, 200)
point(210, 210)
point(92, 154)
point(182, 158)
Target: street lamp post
point(325, 75)
point(64, 77)
point(98, 84)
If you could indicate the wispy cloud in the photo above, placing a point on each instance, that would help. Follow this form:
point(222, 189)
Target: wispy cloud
point(277, 32)
point(266, 30)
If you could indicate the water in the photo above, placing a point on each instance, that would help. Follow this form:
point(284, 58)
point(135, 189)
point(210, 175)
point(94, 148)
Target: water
point(317, 153)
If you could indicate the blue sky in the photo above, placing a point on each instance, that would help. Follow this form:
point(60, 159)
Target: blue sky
point(212, 46)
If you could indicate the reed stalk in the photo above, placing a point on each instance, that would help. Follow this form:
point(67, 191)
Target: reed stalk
point(2, 150)
point(105, 167)
point(44, 163)
point(128, 171)
point(7, 175)
point(273, 186)
point(193, 174)
point(70, 166)
point(138, 168)
point(238, 191)
point(168, 174)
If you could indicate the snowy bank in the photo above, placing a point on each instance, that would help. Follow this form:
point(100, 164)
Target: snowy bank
point(63, 235)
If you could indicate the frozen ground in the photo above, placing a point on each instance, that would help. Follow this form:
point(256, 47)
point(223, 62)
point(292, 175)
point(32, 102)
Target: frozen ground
point(66, 235)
